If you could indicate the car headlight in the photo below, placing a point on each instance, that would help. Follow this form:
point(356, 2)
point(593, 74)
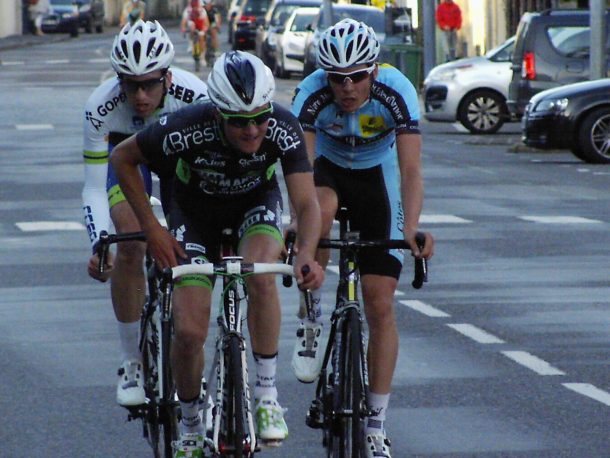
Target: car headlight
point(554, 105)
point(446, 74)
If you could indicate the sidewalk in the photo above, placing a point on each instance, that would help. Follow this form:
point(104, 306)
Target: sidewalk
point(21, 41)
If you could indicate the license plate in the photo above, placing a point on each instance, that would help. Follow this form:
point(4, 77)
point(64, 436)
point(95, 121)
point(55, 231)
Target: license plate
point(49, 22)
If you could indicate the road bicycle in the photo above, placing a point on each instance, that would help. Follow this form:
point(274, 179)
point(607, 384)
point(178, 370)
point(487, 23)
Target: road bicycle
point(231, 431)
point(341, 404)
point(196, 47)
point(160, 413)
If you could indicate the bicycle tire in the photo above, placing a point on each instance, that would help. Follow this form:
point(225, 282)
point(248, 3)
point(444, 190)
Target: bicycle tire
point(235, 397)
point(149, 350)
point(347, 399)
point(168, 408)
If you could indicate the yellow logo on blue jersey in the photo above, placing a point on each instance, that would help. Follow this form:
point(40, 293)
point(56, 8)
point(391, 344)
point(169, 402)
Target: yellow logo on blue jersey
point(371, 125)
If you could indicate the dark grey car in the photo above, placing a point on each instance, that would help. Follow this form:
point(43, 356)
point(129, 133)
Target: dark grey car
point(552, 49)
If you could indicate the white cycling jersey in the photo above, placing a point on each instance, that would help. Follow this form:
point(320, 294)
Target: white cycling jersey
point(107, 114)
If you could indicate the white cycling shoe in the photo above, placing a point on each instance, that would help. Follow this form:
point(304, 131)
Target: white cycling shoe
point(308, 352)
point(130, 386)
point(377, 446)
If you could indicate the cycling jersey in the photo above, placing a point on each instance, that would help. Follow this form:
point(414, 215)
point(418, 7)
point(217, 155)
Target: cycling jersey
point(196, 15)
point(365, 138)
point(108, 115)
point(208, 166)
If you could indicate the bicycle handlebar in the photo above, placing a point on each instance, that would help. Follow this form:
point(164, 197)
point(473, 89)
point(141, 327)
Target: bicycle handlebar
point(421, 265)
point(291, 237)
point(105, 240)
point(234, 267)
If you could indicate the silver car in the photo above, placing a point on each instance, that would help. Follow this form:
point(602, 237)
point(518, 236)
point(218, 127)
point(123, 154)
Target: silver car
point(472, 90)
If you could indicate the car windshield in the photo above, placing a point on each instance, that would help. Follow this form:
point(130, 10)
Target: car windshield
point(302, 22)
point(62, 2)
point(571, 41)
point(282, 13)
point(502, 53)
point(372, 17)
point(256, 7)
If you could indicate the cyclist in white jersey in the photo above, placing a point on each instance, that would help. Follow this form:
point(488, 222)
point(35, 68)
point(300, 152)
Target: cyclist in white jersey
point(361, 124)
point(144, 90)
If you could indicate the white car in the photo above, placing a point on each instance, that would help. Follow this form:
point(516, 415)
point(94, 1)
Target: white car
point(290, 44)
point(472, 90)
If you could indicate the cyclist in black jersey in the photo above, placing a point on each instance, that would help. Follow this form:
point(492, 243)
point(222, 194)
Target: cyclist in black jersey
point(227, 154)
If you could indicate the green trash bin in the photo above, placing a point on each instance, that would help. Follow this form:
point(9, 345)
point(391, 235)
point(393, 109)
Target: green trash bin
point(405, 57)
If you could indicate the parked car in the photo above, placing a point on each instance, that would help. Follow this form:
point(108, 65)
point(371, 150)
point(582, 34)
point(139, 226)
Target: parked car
point(575, 117)
point(234, 7)
point(275, 20)
point(250, 15)
point(290, 46)
point(91, 15)
point(472, 90)
point(68, 16)
point(551, 49)
point(370, 15)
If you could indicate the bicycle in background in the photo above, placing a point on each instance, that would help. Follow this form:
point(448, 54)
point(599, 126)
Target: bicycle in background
point(340, 406)
point(160, 414)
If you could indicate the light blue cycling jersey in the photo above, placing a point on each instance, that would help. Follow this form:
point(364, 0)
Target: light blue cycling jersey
point(367, 137)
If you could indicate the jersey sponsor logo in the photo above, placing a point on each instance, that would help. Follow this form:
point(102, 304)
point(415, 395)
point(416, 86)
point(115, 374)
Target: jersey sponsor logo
point(283, 135)
point(89, 223)
point(390, 100)
point(95, 123)
point(253, 159)
point(110, 105)
point(138, 122)
point(179, 233)
point(216, 183)
point(179, 141)
point(211, 159)
point(195, 247)
point(316, 105)
point(182, 93)
point(163, 119)
point(371, 125)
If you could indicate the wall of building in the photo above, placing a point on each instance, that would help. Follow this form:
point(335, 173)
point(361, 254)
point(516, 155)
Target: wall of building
point(10, 17)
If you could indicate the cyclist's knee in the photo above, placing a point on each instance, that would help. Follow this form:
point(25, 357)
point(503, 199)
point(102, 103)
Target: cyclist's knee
point(189, 336)
point(131, 254)
point(262, 286)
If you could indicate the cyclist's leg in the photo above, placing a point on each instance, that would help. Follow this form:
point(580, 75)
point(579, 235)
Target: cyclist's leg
point(127, 289)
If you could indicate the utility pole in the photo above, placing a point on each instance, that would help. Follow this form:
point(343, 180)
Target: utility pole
point(597, 55)
point(427, 24)
point(327, 9)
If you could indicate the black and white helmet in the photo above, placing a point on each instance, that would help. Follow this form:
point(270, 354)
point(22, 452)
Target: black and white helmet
point(347, 43)
point(240, 81)
point(141, 48)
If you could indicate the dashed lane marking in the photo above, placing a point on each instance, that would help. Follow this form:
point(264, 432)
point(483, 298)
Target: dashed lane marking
point(39, 226)
point(34, 126)
point(474, 333)
point(591, 391)
point(57, 61)
point(540, 366)
point(559, 219)
point(424, 308)
point(442, 219)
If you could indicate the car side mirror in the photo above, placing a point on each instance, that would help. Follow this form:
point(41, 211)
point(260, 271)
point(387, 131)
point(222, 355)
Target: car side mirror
point(309, 28)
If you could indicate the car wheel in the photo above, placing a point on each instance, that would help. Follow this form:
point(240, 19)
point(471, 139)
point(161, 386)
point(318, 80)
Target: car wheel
point(100, 27)
point(74, 32)
point(89, 26)
point(278, 68)
point(594, 137)
point(307, 68)
point(483, 112)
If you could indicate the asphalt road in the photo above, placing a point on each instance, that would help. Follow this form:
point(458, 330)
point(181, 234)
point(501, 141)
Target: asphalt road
point(504, 353)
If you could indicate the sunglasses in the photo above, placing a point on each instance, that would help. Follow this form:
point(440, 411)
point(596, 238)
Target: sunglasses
point(131, 86)
point(354, 77)
point(244, 120)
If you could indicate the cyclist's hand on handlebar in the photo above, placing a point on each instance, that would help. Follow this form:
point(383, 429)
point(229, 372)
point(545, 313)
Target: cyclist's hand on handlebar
point(427, 251)
point(93, 267)
point(163, 247)
point(313, 279)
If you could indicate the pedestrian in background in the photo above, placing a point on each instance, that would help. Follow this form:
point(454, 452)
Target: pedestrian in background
point(449, 20)
point(37, 10)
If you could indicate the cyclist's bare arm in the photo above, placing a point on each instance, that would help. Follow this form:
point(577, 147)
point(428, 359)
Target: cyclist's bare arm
point(412, 190)
point(125, 158)
point(303, 198)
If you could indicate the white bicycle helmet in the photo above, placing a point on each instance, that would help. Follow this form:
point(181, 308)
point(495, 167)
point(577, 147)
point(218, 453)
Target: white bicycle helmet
point(141, 48)
point(347, 43)
point(240, 81)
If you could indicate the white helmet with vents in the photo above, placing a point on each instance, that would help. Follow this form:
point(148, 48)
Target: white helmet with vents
point(347, 43)
point(240, 81)
point(141, 48)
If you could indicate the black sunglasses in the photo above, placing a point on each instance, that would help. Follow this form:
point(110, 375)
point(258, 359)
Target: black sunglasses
point(244, 120)
point(354, 77)
point(131, 86)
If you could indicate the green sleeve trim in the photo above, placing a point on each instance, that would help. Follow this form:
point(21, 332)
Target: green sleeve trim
point(95, 157)
point(202, 281)
point(183, 171)
point(263, 229)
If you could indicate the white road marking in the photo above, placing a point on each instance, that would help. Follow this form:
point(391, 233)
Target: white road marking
point(424, 308)
point(12, 62)
point(441, 219)
point(590, 391)
point(99, 60)
point(334, 269)
point(398, 293)
point(459, 127)
point(37, 226)
point(57, 61)
point(540, 366)
point(474, 333)
point(34, 126)
point(559, 219)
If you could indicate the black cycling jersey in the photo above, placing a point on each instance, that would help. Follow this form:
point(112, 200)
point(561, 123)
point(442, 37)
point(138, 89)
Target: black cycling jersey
point(208, 166)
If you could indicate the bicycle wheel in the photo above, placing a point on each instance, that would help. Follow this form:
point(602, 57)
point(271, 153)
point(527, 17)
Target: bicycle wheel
point(234, 399)
point(168, 406)
point(149, 350)
point(347, 396)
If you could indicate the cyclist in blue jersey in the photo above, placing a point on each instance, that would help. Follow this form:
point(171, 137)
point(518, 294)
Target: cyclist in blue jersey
point(360, 120)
